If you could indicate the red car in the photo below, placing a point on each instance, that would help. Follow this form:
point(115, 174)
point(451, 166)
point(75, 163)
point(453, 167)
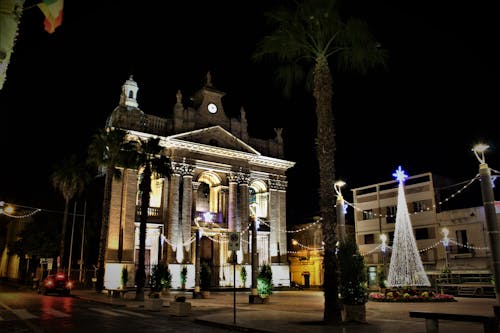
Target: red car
point(57, 283)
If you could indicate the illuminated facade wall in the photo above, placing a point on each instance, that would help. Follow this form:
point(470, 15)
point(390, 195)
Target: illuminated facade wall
point(222, 179)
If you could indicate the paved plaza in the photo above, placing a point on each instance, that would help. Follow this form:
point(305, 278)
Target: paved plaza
point(302, 311)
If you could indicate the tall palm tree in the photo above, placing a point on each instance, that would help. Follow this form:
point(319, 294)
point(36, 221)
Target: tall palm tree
point(153, 164)
point(308, 41)
point(108, 150)
point(69, 177)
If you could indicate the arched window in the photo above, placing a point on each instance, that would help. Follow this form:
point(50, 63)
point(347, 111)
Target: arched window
point(203, 200)
point(258, 199)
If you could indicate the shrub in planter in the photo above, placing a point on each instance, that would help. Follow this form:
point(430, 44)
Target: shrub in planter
point(124, 277)
point(184, 272)
point(243, 276)
point(265, 281)
point(353, 277)
point(166, 278)
point(156, 274)
point(205, 277)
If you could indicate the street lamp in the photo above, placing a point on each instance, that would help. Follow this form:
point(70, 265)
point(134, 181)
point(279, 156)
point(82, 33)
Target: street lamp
point(383, 248)
point(6, 209)
point(340, 209)
point(491, 217)
point(446, 242)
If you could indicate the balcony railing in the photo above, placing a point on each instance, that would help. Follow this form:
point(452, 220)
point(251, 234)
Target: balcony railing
point(154, 214)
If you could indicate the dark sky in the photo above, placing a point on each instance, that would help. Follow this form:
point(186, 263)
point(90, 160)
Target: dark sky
point(436, 99)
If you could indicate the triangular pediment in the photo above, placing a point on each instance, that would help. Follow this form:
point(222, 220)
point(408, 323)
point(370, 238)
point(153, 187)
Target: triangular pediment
point(215, 136)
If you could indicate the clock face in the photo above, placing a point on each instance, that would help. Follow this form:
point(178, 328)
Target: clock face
point(212, 108)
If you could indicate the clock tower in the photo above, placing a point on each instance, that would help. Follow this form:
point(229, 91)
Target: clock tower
point(208, 103)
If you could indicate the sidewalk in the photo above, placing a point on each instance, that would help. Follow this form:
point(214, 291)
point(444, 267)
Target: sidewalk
point(299, 311)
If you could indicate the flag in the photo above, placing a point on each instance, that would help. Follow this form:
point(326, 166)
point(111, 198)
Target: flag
point(53, 11)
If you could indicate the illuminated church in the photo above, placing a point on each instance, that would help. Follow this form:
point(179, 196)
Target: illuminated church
point(222, 180)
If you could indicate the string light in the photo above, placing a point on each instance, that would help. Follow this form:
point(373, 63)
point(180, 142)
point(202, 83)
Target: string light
point(9, 210)
point(469, 182)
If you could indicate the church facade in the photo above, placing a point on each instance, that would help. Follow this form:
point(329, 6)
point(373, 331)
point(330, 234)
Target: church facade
point(222, 181)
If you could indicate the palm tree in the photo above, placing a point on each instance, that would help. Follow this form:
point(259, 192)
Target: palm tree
point(69, 177)
point(153, 163)
point(108, 150)
point(308, 42)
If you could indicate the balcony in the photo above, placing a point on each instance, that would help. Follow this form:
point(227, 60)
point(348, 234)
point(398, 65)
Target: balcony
point(154, 214)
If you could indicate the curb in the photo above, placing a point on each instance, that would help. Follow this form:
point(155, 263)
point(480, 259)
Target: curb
point(230, 326)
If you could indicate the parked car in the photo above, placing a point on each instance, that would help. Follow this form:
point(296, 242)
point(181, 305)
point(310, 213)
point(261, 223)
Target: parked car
point(57, 283)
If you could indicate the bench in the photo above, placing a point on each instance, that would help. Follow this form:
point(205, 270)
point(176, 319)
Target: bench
point(118, 292)
point(490, 323)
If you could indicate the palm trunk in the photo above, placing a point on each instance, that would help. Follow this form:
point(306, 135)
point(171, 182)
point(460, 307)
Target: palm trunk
point(325, 151)
point(63, 234)
point(103, 240)
point(140, 277)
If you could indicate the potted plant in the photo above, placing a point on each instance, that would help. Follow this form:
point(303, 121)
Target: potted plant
point(166, 279)
point(154, 302)
point(205, 279)
point(381, 280)
point(124, 277)
point(243, 276)
point(353, 279)
point(265, 282)
point(184, 272)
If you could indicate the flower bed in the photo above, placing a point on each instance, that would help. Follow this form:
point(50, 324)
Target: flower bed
point(410, 296)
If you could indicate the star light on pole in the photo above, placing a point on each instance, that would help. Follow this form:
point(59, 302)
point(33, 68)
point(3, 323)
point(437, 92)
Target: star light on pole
point(491, 217)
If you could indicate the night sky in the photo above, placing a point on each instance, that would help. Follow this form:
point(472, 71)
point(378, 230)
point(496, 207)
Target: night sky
point(437, 98)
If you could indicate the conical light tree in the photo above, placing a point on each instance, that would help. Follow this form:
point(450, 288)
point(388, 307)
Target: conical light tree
point(406, 269)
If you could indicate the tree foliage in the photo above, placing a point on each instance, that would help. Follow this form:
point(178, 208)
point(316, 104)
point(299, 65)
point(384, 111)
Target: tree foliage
point(38, 238)
point(353, 276)
point(107, 151)
point(308, 40)
point(265, 280)
point(70, 177)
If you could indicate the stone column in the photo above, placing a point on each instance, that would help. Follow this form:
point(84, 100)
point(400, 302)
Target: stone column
point(173, 234)
point(186, 170)
point(277, 219)
point(244, 210)
point(164, 219)
point(233, 189)
point(223, 200)
point(194, 195)
point(274, 219)
point(282, 242)
point(187, 206)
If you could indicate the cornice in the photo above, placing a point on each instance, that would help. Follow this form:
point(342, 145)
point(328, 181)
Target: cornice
point(252, 159)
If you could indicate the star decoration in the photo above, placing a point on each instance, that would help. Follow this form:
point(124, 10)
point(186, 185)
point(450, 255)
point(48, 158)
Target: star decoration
point(400, 175)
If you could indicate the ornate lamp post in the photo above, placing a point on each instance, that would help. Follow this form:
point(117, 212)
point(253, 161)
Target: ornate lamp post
point(491, 217)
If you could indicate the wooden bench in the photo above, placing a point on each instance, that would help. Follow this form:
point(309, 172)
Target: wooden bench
point(490, 323)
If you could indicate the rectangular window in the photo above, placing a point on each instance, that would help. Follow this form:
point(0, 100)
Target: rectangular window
point(422, 233)
point(391, 238)
point(370, 239)
point(368, 214)
point(420, 206)
point(390, 213)
point(462, 241)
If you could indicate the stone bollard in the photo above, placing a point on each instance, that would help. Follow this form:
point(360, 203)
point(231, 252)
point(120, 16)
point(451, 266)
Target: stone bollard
point(180, 309)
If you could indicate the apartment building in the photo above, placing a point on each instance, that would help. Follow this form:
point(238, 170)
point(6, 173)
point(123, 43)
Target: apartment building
point(449, 241)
